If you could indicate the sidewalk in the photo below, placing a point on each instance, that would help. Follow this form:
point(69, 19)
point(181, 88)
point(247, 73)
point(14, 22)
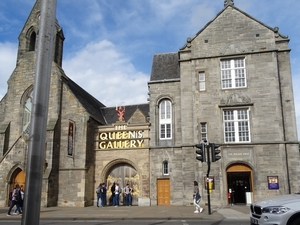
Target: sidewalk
point(137, 212)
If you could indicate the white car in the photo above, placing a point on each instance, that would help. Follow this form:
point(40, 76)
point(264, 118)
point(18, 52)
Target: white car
point(279, 210)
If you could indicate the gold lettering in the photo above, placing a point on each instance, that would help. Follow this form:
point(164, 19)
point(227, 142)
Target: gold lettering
point(140, 142)
point(111, 135)
point(102, 145)
point(140, 134)
point(132, 144)
point(125, 135)
point(103, 136)
point(109, 145)
point(131, 134)
point(126, 144)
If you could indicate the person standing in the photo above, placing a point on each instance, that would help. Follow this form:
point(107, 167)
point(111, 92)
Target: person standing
point(127, 191)
point(117, 193)
point(197, 198)
point(103, 194)
point(98, 192)
point(16, 195)
point(112, 190)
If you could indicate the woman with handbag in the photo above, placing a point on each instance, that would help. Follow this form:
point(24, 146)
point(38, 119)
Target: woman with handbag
point(197, 198)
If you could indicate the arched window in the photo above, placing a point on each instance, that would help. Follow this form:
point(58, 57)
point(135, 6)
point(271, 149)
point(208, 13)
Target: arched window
point(32, 41)
point(165, 119)
point(165, 168)
point(27, 114)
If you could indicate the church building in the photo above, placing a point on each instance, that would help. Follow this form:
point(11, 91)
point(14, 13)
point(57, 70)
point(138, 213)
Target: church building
point(228, 86)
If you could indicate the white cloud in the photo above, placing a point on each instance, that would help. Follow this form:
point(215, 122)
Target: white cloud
point(8, 57)
point(107, 74)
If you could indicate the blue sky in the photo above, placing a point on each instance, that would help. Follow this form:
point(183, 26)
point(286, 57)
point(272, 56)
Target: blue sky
point(110, 44)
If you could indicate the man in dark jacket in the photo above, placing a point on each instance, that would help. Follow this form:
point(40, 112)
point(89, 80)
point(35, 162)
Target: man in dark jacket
point(16, 195)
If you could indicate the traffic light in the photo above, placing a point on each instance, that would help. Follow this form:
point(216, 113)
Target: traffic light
point(201, 152)
point(214, 152)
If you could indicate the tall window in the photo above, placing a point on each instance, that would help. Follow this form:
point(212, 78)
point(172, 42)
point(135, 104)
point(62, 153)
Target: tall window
point(236, 125)
point(32, 41)
point(27, 114)
point(165, 119)
point(165, 168)
point(233, 73)
point(201, 81)
point(71, 134)
point(203, 130)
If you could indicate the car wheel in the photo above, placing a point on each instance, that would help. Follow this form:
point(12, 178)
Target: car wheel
point(295, 221)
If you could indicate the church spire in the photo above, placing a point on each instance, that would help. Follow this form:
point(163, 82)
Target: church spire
point(228, 2)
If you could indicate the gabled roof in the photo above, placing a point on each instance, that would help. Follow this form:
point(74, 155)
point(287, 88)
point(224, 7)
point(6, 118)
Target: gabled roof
point(246, 14)
point(111, 116)
point(91, 104)
point(165, 67)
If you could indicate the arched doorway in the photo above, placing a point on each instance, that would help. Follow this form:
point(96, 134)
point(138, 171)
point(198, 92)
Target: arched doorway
point(124, 173)
point(240, 183)
point(18, 177)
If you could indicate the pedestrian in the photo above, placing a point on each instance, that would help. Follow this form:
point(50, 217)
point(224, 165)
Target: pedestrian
point(98, 189)
point(103, 194)
point(117, 193)
point(112, 190)
point(197, 198)
point(128, 198)
point(16, 195)
point(20, 200)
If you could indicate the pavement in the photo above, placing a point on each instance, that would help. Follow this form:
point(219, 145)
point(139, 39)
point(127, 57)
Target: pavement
point(235, 212)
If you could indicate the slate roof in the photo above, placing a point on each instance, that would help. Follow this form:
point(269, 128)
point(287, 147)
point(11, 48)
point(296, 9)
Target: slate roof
point(111, 116)
point(165, 67)
point(91, 104)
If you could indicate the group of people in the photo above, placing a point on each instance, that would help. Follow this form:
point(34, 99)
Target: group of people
point(116, 190)
point(17, 199)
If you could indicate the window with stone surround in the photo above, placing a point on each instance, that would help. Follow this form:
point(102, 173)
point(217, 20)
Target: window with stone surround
point(236, 125)
point(165, 119)
point(233, 73)
point(71, 135)
point(203, 131)
point(165, 167)
point(27, 114)
point(201, 81)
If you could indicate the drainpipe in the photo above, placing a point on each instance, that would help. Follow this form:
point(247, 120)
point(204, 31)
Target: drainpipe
point(283, 125)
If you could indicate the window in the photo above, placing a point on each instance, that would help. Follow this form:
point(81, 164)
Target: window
point(236, 125)
point(165, 119)
point(165, 168)
point(71, 134)
point(201, 81)
point(27, 114)
point(233, 73)
point(203, 131)
point(32, 41)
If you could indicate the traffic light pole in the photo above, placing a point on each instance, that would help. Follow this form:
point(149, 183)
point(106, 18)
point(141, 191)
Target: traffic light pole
point(207, 178)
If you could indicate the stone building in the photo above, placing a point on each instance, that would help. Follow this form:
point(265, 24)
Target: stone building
point(73, 159)
point(230, 84)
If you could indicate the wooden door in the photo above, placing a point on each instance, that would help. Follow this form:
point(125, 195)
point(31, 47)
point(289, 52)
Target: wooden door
point(20, 179)
point(163, 192)
point(123, 174)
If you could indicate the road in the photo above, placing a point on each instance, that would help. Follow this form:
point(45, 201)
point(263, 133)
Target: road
point(132, 222)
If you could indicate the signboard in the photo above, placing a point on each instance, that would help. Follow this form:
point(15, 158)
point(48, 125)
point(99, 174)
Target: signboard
point(273, 182)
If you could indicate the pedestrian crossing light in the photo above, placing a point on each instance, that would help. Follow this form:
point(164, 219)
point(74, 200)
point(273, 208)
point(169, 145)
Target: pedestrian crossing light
point(214, 152)
point(201, 152)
